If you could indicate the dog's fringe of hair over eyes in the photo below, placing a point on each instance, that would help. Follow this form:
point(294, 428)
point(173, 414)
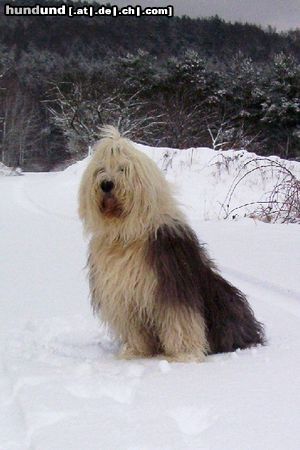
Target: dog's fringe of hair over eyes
point(150, 279)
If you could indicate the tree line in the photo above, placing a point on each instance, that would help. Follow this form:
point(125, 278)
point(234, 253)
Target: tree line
point(177, 82)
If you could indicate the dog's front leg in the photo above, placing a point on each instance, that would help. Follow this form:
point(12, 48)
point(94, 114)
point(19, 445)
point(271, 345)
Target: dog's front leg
point(138, 343)
point(182, 334)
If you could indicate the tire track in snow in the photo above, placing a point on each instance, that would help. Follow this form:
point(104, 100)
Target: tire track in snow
point(12, 415)
point(14, 432)
point(286, 299)
point(23, 199)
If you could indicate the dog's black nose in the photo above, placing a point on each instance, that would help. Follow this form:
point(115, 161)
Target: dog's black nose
point(107, 186)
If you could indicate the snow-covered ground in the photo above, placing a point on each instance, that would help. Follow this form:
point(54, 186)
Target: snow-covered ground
point(61, 386)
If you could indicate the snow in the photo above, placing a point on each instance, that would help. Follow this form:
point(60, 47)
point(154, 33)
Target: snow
point(8, 171)
point(218, 182)
point(61, 384)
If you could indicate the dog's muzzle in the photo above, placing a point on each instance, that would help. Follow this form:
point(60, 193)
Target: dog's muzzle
point(110, 206)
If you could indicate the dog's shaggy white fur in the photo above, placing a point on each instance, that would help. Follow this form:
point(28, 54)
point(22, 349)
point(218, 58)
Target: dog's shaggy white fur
point(150, 279)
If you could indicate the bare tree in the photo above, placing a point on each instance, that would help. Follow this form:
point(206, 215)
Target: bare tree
point(20, 129)
point(80, 113)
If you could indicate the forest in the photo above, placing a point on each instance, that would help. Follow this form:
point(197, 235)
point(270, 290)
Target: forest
point(176, 82)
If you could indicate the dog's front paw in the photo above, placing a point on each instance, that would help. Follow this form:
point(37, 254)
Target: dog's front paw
point(186, 357)
point(132, 353)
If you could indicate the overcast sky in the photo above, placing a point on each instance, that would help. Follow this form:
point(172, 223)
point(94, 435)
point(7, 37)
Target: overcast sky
point(281, 14)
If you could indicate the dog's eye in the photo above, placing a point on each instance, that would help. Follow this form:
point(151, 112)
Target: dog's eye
point(98, 171)
point(124, 169)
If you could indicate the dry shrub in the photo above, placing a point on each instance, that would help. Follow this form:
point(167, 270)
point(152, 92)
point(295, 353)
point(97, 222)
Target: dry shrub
point(281, 204)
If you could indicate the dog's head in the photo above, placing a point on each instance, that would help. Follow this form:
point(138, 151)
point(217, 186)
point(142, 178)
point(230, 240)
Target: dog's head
point(111, 190)
point(121, 187)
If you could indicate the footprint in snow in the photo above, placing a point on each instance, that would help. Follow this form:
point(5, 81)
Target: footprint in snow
point(135, 370)
point(118, 389)
point(192, 420)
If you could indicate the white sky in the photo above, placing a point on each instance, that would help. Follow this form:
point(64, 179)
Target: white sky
point(281, 14)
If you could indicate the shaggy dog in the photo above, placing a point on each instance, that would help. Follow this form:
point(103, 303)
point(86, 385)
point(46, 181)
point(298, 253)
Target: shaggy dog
point(150, 278)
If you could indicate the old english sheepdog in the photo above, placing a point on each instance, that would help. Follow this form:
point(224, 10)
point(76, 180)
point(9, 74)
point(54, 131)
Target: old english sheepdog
point(150, 279)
